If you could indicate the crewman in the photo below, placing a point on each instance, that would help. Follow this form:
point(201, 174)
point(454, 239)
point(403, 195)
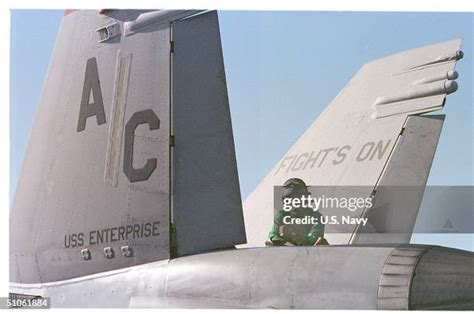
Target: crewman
point(291, 234)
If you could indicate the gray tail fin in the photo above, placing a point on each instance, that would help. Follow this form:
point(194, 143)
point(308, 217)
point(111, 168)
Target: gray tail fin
point(131, 156)
point(357, 141)
point(400, 189)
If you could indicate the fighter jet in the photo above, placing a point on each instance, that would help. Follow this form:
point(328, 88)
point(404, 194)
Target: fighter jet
point(129, 193)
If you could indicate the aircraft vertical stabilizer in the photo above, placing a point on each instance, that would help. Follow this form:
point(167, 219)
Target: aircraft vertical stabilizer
point(96, 187)
point(207, 208)
point(355, 138)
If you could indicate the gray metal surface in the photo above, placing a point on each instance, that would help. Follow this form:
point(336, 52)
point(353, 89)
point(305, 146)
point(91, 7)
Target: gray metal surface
point(72, 180)
point(400, 189)
point(102, 134)
point(443, 279)
point(207, 206)
point(396, 278)
point(349, 144)
point(325, 277)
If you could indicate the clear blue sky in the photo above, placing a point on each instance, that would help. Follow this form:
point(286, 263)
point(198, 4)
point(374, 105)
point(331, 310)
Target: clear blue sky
point(282, 69)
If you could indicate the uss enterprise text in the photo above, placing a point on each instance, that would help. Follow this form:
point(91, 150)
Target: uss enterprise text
point(121, 233)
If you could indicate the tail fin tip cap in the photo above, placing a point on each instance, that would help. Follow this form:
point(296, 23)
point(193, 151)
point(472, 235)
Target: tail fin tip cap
point(450, 86)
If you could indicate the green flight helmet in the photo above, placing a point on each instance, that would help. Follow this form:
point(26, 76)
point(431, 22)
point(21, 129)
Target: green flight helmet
point(294, 187)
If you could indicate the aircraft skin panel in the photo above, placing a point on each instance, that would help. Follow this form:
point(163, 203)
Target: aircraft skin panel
point(207, 206)
point(379, 277)
point(234, 278)
point(350, 142)
point(64, 189)
point(400, 190)
point(101, 198)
